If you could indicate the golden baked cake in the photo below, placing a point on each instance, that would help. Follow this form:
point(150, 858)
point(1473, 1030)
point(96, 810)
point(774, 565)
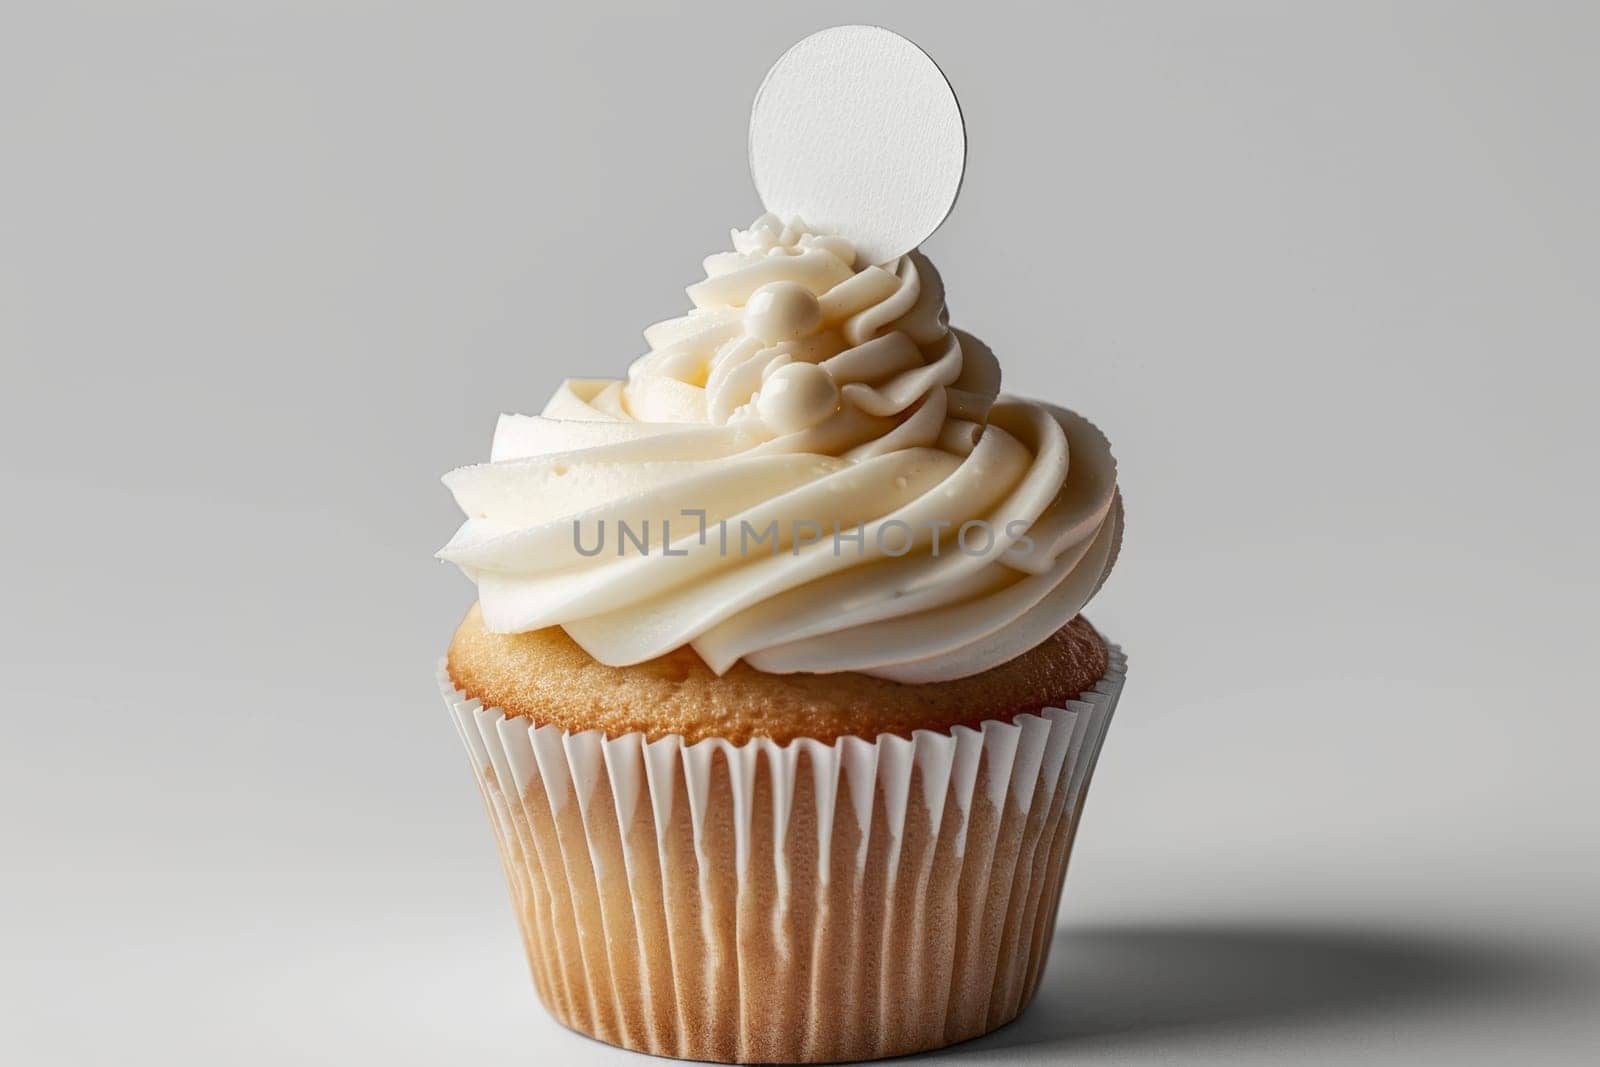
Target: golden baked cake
point(544, 677)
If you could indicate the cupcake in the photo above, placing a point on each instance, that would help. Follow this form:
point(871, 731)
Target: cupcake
point(777, 689)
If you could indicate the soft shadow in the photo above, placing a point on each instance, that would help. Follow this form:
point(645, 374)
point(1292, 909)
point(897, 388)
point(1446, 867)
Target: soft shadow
point(1153, 981)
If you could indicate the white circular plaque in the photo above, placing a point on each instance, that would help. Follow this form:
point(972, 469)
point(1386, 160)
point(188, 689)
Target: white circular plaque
point(857, 131)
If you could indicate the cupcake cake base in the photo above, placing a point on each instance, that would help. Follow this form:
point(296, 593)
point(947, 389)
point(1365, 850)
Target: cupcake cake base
point(808, 901)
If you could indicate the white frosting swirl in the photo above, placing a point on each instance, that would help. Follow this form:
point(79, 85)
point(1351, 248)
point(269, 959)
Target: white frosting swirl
point(918, 525)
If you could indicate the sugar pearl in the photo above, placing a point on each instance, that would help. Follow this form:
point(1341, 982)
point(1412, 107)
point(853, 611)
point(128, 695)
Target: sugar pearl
point(796, 397)
point(781, 311)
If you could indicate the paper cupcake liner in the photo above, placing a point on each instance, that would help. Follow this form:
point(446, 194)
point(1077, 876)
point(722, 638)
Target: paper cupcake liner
point(787, 903)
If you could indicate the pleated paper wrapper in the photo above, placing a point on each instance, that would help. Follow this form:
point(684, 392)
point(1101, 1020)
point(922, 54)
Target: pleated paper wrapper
point(805, 902)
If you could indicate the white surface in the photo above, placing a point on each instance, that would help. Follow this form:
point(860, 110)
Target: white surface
point(856, 131)
point(1329, 273)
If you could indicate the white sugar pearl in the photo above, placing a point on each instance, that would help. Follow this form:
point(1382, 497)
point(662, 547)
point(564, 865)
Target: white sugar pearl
point(796, 397)
point(781, 311)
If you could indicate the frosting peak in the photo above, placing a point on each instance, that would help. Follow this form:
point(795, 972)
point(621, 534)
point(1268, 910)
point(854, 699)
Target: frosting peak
point(810, 470)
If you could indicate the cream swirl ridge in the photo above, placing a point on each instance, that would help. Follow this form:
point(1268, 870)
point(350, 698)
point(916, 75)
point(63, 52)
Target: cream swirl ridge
point(809, 471)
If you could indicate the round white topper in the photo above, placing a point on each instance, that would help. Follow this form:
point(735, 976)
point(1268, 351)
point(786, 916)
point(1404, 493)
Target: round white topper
point(856, 131)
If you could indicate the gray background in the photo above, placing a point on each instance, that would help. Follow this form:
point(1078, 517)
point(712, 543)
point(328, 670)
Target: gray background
point(1326, 274)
